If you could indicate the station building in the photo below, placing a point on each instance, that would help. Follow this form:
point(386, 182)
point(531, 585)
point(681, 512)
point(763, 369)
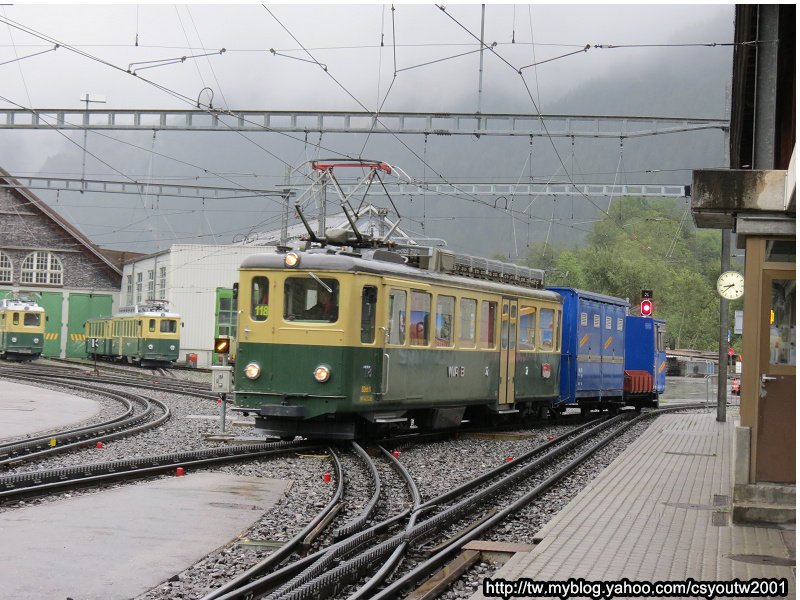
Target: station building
point(755, 199)
point(44, 257)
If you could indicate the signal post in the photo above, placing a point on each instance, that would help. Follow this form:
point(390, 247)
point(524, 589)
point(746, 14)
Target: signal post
point(222, 376)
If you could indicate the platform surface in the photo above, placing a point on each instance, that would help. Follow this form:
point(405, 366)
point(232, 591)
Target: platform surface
point(659, 512)
point(119, 543)
point(26, 409)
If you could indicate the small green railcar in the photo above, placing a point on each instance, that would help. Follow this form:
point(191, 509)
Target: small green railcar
point(21, 329)
point(335, 344)
point(144, 334)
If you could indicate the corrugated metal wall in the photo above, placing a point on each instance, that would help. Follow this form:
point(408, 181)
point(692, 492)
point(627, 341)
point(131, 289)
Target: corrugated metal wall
point(194, 272)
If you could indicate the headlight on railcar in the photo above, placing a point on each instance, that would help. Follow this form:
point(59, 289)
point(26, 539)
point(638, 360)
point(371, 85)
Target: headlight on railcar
point(252, 371)
point(172, 347)
point(35, 340)
point(291, 260)
point(322, 373)
point(13, 340)
point(150, 346)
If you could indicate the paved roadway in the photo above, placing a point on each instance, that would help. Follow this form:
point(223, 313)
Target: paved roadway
point(26, 409)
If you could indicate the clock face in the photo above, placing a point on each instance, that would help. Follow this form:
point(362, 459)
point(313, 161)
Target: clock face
point(730, 285)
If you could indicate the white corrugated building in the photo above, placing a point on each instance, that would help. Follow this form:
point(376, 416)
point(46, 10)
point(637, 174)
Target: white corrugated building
point(187, 276)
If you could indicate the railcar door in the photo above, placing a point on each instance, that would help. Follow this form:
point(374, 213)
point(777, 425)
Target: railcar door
point(508, 350)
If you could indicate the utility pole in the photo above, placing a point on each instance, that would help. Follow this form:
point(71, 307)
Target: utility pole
point(725, 265)
point(285, 217)
point(722, 381)
point(87, 98)
point(480, 68)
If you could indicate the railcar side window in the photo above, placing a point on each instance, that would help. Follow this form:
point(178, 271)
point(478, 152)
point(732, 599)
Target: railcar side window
point(512, 329)
point(527, 327)
point(32, 319)
point(259, 299)
point(468, 319)
point(504, 328)
point(445, 311)
point(397, 317)
point(420, 318)
point(557, 332)
point(306, 300)
point(152, 324)
point(547, 329)
point(488, 324)
point(369, 300)
point(169, 326)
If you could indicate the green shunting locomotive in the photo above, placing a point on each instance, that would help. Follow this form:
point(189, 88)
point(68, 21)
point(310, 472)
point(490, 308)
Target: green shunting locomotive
point(145, 334)
point(22, 323)
point(345, 344)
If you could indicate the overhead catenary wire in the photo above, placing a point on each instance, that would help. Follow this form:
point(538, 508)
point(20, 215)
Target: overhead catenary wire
point(395, 46)
point(411, 150)
point(533, 101)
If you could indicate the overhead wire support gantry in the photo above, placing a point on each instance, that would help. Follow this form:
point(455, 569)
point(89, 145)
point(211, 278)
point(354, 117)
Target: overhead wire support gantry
point(397, 123)
point(108, 186)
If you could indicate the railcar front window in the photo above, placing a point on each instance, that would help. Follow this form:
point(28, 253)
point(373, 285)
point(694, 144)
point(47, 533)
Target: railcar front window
point(153, 324)
point(420, 318)
point(169, 326)
point(369, 300)
point(396, 330)
point(468, 319)
point(305, 299)
point(445, 311)
point(32, 319)
point(15, 320)
point(547, 329)
point(259, 299)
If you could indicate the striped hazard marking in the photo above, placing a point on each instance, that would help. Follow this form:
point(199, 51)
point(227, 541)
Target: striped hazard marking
point(77, 337)
point(51, 336)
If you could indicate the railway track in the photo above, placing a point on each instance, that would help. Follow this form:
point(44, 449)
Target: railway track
point(31, 373)
point(366, 558)
point(33, 483)
point(129, 422)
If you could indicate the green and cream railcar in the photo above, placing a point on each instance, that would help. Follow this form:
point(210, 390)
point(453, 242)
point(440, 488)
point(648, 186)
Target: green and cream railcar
point(22, 325)
point(397, 343)
point(144, 334)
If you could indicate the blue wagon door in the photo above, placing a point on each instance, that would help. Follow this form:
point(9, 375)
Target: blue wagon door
point(508, 351)
point(613, 350)
point(660, 367)
point(589, 376)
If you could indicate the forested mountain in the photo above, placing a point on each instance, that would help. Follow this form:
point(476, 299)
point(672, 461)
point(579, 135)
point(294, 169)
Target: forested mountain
point(647, 244)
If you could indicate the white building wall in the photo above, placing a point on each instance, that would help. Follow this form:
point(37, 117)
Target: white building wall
point(194, 272)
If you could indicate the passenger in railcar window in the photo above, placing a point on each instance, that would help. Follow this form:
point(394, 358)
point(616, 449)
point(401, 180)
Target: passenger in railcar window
point(325, 309)
point(418, 337)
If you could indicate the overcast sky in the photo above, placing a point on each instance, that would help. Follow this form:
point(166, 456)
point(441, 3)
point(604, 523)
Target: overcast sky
point(367, 49)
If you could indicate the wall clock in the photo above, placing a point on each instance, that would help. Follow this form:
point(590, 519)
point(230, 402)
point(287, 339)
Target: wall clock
point(730, 285)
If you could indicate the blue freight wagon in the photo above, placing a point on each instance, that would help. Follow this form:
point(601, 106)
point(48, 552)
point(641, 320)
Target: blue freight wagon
point(592, 350)
point(645, 360)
